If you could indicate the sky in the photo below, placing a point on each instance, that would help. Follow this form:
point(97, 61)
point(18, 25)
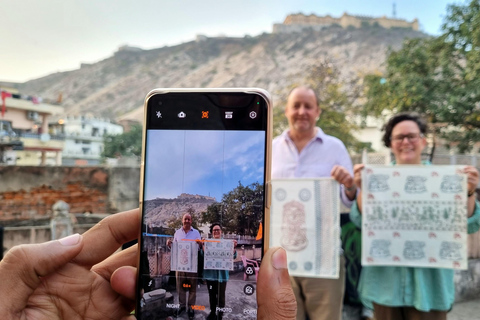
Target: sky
point(41, 37)
point(207, 163)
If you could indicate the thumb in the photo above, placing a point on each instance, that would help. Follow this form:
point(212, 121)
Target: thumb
point(23, 267)
point(275, 297)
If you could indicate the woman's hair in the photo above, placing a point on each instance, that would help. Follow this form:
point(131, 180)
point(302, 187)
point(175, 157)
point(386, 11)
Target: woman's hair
point(213, 225)
point(396, 119)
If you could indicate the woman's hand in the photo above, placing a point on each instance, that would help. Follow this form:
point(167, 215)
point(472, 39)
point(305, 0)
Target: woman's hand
point(472, 183)
point(472, 178)
point(357, 175)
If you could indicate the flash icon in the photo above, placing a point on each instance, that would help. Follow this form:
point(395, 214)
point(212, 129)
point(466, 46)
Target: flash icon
point(159, 114)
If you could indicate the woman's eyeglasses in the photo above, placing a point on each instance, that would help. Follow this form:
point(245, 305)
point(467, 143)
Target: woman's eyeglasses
point(411, 137)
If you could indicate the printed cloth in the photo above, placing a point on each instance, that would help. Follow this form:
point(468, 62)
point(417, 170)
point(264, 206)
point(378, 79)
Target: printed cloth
point(424, 289)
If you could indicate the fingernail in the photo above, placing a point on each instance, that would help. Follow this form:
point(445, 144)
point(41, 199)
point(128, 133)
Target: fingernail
point(70, 240)
point(279, 259)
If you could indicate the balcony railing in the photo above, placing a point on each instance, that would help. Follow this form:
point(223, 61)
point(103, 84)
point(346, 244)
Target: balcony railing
point(39, 136)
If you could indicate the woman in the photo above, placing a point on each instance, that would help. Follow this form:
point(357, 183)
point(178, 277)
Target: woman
point(410, 292)
point(217, 279)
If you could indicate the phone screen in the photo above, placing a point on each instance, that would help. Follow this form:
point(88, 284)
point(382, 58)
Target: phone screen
point(203, 204)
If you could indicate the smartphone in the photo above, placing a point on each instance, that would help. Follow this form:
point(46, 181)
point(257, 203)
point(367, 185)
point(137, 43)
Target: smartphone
point(205, 176)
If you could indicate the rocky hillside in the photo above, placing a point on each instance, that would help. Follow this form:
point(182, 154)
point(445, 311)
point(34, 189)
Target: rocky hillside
point(159, 211)
point(117, 85)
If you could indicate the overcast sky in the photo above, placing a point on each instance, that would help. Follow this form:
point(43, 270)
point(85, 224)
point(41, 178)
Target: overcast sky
point(207, 163)
point(40, 37)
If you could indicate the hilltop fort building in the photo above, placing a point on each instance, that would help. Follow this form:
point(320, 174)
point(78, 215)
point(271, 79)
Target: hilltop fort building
point(298, 22)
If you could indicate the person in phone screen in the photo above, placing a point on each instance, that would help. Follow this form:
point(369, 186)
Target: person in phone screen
point(186, 281)
point(217, 280)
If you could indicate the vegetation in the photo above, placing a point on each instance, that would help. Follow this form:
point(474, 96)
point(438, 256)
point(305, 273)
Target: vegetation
point(239, 211)
point(127, 144)
point(438, 77)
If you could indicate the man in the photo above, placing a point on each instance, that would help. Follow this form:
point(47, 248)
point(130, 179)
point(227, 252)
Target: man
point(186, 281)
point(305, 151)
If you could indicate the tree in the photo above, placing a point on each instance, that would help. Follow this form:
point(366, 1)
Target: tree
point(127, 144)
point(438, 77)
point(239, 211)
point(336, 100)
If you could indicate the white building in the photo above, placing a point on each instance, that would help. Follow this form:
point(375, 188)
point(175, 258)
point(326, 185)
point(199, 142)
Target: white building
point(371, 132)
point(84, 136)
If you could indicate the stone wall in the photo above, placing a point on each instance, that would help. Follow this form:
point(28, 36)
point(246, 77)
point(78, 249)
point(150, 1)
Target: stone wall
point(297, 22)
point(13, 236)
point(30, 192)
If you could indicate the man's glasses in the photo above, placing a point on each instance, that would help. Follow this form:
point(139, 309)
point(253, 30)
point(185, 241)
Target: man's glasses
point(217, 230)
point(411, 137)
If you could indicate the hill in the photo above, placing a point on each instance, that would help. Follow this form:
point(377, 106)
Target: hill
point(117, 85)
point(159, 211)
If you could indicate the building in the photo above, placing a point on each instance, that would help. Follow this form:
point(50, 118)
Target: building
point(299, 22)
point(84, 136)
point(26, 140)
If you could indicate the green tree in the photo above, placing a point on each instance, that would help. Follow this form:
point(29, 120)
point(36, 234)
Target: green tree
point(127, 144)
point(408, 83)
point(438, 77)
point(336, 99)
point(214, 213)
point(239, 211)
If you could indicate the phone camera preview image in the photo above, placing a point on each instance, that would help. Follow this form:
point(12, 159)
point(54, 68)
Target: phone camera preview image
point(186, 282)
point(202, 238)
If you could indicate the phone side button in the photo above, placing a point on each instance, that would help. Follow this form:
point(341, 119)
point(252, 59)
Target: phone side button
point(268, 192)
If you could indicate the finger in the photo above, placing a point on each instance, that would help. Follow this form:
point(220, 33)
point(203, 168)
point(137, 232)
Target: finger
point(23, 267)
point(123, 281)
point(335, 171)
point(108, 235)
point(358, 167)
point(275, 297)
point(127, 257)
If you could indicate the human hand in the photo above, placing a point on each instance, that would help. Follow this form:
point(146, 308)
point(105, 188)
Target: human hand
point(73, 278)
point(472, 178)
point(275, 297)
point(342, 175)
point(234, 244)
point(357, 175)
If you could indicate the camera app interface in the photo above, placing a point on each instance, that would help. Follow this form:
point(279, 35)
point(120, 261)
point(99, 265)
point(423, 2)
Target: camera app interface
point(203, 211)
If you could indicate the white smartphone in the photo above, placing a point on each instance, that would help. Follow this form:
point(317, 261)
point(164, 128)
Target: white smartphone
point(203, 197)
